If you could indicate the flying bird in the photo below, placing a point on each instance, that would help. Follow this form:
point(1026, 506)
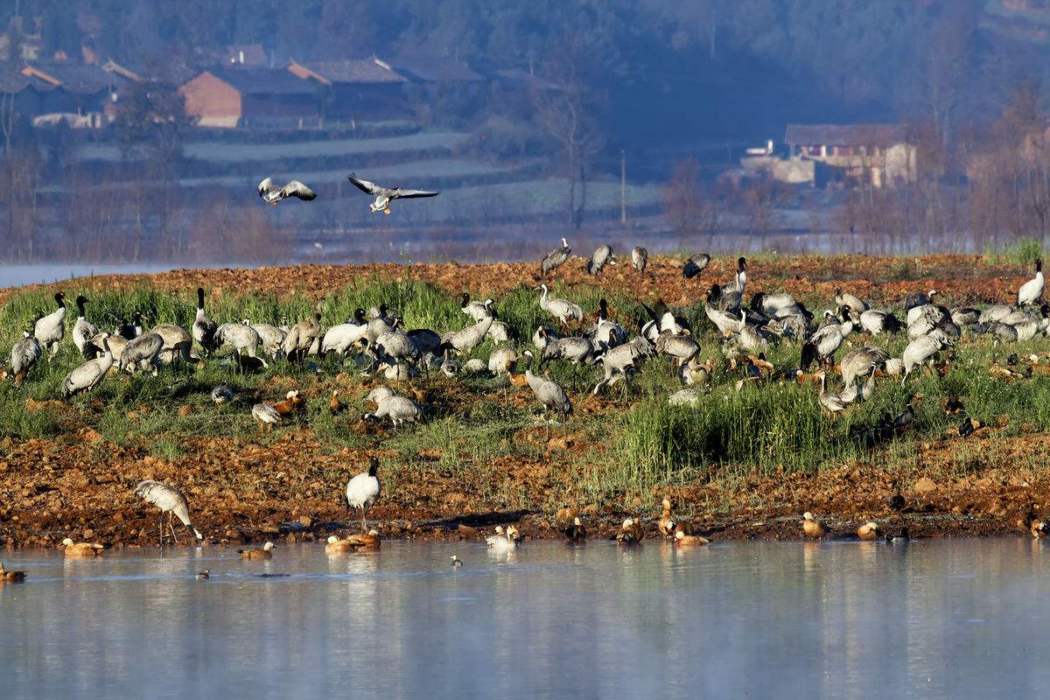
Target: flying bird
point(273, 195)
point(385, 195)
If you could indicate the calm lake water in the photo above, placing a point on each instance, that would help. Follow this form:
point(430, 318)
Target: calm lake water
point(19, 275)
point(939, 619)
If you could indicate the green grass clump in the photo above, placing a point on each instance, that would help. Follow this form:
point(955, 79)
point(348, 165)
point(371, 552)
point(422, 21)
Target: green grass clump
point(634, 440)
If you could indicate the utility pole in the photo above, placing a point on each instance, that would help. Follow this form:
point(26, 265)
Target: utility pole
point(623, 187)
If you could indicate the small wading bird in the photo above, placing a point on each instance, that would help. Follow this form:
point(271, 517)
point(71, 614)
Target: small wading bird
point(273, 195)
point(363, 490)
point(811, 526)
point(81, 549)
point(631, 532)
point(11, 576)
point(868, 531)
point(171, 501)
point(504, 540)
point(386, 195)
point(266, 552)
point(683, 540)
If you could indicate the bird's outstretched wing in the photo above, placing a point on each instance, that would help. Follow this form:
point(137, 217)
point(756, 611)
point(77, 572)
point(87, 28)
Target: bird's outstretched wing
point(363, 185)
point(298, 189)
point(410, 194)
point(265, 186)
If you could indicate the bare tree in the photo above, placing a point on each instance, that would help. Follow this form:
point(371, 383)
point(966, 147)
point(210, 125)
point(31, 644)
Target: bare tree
point(565, 107)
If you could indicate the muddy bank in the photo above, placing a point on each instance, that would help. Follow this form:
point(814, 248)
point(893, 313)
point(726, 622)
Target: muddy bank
point(292, 490)
point(965, 279)
point(248, 488)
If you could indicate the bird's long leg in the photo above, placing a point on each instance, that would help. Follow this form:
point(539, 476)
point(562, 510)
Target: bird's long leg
point(364, 523)
point(171, 526)
point(162, 529)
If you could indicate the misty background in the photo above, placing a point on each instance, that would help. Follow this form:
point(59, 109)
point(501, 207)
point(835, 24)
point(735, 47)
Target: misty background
point(137, 131)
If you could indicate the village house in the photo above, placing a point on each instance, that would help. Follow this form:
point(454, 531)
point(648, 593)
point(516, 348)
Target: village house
point(250, 97)
point(356, 90)
point(248, 55)
point(82, 96)
point(879, 155)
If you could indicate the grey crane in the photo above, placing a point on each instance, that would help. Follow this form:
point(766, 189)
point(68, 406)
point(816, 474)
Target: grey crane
point(1032, 290)
point(554, 259)
point(83, 330)
point(877, 322)
point(572, 348)
point(274, 195)
point(751, 339)
point(680, 347)
point(395, 346)
point(740, 281)
point(619, 362)
point(385, 196)
point(204, 328)
point(823, 344)
point(503, 361)
point(398, 409)
point(859, 362)
point(914, 312)
point(465, 340)
point(171, 501)
point(561, 309)
point(965, 316)
point(499, 332)
point(380, 323)
point(222, 394)
point(693, 266)
point(607, 333)
point(725, 322)
point(132, 329)
point(364, 489)
point(996, 312)
point(177, 342)
point(301, 337)
point(341, 337)
point(425, 341)
point(1001, 331)
point(90, 374)
point(141, 353)
point(24, 355)
point(920, 350)
point(240, 338)
point(602, 256)
point(830, 402)
point(265, 415)
point(550, 395)
point(852, 302)
point(49, 330)
point(270, 336)
point(639, 259)
point(477, 310)
point(723, 298)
